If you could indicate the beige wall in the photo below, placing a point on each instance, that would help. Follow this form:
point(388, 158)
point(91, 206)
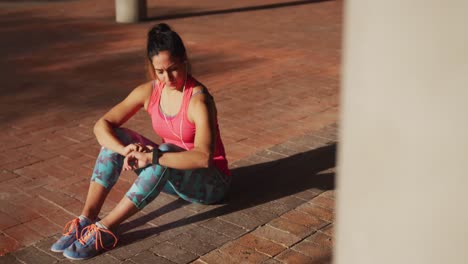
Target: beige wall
point(403, 156)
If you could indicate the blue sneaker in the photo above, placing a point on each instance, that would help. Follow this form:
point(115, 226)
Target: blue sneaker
point(71, 233)
point(93, 241)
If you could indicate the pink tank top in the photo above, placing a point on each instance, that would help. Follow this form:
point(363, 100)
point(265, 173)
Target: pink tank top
point(171, 131)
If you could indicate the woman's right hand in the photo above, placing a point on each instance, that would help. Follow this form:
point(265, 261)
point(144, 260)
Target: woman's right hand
point(137, 160)
point(135, 147)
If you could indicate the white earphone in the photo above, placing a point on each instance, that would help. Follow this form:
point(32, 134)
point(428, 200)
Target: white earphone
point(183, 108)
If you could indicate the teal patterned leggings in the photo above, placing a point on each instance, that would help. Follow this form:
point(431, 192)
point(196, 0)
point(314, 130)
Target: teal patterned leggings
point(204, 186)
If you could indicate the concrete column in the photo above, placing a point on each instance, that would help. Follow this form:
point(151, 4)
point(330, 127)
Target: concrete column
point(130, 11)
point(403, 154)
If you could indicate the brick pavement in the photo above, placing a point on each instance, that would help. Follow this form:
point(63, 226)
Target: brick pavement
point(277, 96)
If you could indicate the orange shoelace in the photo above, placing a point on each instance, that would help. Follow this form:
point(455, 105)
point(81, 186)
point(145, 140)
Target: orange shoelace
point(94, 231)
point(71, 226)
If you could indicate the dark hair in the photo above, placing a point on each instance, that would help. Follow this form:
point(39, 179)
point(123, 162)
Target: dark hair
point(162, 38)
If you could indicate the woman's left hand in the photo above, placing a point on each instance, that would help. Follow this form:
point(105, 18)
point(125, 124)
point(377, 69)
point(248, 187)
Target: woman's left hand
point(136, 160)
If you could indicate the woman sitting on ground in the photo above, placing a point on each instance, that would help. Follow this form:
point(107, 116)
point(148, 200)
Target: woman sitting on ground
point(190, 163)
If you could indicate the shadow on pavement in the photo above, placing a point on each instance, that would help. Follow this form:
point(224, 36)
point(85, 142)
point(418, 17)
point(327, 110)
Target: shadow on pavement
point(251, 186)
point(232, 10)
point(80, 66)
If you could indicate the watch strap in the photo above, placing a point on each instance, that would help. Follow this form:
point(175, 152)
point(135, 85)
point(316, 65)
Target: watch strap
point(156, 155)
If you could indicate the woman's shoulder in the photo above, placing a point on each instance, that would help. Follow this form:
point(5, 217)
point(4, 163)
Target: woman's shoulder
point(145, 87)
point(200, 97)
point(143, 92)
point(198, 87)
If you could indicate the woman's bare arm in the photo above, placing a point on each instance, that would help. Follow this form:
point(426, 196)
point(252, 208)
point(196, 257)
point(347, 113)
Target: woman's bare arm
point(118, 115)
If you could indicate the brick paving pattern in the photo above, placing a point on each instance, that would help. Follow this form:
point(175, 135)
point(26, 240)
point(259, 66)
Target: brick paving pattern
point(273, 68)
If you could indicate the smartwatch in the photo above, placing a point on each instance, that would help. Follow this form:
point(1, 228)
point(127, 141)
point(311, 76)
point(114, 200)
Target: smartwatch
point(156, 155)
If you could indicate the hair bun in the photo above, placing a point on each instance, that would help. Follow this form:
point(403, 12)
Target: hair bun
point(162, 28)
point(157, 30)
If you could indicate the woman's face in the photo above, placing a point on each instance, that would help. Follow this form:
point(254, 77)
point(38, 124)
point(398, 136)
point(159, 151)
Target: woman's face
point(169, 70)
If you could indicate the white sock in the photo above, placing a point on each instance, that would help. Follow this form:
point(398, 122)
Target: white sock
point(82, 217)
point(101, 225)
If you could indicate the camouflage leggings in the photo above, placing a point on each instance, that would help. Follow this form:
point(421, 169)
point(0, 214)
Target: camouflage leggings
point(200, 185)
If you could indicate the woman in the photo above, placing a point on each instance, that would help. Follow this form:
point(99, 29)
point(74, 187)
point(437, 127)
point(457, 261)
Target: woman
point(191, 162)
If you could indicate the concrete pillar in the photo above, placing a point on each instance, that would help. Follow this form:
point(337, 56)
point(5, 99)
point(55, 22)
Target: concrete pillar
point(403, 154)
point(130, 11)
